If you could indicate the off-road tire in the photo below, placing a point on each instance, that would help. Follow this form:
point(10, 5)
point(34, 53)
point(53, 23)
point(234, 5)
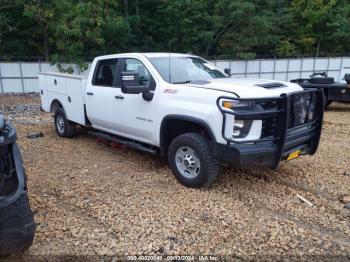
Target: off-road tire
point(17, 226)
point(209, 168)
point(69, 127)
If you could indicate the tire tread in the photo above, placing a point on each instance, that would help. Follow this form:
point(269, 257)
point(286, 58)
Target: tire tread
point(205, 149)
point(70, 130)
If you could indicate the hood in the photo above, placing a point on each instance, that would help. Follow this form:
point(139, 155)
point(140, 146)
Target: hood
point(248, 87)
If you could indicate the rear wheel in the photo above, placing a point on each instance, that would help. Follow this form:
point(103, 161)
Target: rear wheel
point(17, 226)
point(191, 160)
point(64, 127)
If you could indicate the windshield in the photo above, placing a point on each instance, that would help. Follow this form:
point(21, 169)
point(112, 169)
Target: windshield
point(185, 69)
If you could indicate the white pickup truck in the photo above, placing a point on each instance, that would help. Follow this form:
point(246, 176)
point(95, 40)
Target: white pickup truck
point(182, 107)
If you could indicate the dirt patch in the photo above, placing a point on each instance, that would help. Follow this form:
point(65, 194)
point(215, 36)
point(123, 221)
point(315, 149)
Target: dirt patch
point(19, 99)
point(93, 199)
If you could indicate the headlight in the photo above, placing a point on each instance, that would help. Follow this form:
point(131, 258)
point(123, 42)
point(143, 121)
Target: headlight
point(311, 112)
point(241, 128)
point(236, 128)
point(303, 108)
point(231, 105)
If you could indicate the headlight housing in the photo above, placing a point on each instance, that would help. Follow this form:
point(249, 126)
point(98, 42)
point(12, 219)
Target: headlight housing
point(228, 105)
point(302, 108)
point(236, 128)
point(241, 128)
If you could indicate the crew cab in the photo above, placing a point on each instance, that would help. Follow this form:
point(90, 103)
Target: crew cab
point(182, 107)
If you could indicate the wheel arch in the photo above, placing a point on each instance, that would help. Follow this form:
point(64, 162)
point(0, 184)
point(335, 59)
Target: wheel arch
point(55, 104)
point(170, 128)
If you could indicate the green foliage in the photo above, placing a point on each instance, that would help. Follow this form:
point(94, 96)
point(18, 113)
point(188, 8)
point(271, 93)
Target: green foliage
point(286, 49)
point(65, 69)
point(65, 31)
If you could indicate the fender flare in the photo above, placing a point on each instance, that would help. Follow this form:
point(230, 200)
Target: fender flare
point(190, 119)
point(59, 102)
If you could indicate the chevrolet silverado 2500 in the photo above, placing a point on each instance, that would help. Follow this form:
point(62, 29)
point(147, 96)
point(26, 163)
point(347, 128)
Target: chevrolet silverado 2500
point(185, 109)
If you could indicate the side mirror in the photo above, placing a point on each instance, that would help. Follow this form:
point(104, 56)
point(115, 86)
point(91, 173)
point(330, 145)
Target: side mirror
point(227, 71)
point(130, 83)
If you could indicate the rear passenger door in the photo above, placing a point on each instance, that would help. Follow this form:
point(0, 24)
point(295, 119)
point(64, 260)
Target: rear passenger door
point(100, 95)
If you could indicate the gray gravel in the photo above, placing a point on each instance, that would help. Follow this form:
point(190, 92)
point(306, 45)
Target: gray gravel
point(22, 112)
point(93, 199)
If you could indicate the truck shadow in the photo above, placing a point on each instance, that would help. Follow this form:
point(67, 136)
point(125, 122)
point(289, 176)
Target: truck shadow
point(338, 107)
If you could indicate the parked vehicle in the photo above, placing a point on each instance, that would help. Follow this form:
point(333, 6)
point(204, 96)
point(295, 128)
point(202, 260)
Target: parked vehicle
point(16, 218)
point(183, 108)
point(332, 91)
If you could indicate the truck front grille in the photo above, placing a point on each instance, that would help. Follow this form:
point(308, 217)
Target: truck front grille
point(269, 125)
point(300, 111)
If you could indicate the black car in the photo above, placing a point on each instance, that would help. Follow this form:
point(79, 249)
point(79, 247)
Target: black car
point(332, 91)
point(17, 225)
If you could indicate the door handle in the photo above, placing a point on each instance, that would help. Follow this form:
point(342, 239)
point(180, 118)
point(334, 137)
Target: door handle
point(119, 97)
point(90, 93)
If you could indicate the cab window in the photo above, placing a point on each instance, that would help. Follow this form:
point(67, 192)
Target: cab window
point(105, 73)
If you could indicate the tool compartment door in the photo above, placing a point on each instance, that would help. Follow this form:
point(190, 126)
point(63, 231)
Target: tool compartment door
point(75, 109)
point(44, 97)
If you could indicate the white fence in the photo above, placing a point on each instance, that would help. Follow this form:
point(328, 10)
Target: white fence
point(287, 69)
point(21, 77)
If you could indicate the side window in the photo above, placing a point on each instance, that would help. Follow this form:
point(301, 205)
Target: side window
point(105, 73)
point(134, 65)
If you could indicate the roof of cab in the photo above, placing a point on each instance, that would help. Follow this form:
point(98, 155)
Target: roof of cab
point(162, 54)
point(148, 55)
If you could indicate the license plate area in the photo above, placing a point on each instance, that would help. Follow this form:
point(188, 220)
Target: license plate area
point(294, 154)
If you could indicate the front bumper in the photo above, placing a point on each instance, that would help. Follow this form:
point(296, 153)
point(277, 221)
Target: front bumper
point(284, 137)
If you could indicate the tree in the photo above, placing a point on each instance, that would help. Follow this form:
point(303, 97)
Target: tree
point(310, 16)
point(76, 31)
point(17, 36)
point(6, 22)
point(42, 12)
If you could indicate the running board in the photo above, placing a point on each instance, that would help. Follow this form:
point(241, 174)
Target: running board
point(129, 143)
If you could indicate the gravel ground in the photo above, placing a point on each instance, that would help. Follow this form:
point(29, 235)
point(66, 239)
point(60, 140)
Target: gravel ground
point(92, 199)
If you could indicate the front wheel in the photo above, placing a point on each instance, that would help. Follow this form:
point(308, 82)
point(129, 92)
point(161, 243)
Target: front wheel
point(64, 127)
point(191, 160)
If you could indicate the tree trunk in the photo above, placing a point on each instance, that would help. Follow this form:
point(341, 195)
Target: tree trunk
point(215, 38)
point(137, 10)
point(318, 48)
point(126, 7)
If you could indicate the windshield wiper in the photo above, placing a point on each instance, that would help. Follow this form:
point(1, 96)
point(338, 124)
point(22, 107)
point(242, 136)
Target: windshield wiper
point(182, 82)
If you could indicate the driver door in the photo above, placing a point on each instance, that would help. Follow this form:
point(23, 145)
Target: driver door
point(136, 116)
